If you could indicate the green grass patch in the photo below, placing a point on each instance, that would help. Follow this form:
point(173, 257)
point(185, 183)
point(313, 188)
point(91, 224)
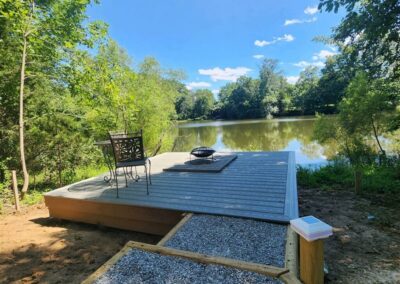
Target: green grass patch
point(41, 184)
point(32, 197)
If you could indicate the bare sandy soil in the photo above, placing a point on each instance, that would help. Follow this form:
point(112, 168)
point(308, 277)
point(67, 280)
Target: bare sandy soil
point(37, 249)
point(365, 247)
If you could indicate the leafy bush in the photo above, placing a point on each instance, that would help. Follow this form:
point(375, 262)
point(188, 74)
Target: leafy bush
point(340, 175)
point(337, 175)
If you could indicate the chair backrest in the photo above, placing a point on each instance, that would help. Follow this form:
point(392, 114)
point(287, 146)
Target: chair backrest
point(127, 147)
point(122, 133)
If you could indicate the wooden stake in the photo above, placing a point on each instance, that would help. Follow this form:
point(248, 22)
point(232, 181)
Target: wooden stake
point(311, 261)
point(15, 187)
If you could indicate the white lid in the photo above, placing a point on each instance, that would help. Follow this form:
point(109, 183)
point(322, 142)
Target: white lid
point(311, 228)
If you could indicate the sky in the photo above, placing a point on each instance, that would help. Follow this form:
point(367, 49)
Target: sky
point(216, 41)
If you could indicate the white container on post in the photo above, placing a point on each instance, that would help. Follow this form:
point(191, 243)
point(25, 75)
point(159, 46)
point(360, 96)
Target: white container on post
point(312, 231)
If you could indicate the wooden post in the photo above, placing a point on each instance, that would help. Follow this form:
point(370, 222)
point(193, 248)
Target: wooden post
point(312, 261)
point(15, 188)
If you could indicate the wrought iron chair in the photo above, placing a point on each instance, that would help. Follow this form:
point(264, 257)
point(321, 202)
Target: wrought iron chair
point(129, 152)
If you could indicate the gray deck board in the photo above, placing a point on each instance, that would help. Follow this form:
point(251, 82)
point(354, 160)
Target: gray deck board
point(258, 185)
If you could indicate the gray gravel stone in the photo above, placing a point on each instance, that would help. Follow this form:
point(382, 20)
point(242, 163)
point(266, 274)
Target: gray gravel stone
point(244, 239)
point(145, 267)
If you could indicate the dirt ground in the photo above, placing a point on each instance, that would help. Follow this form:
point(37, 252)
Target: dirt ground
point(365, 247)
point(37, 249)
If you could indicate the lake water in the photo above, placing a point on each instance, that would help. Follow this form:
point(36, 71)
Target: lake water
point(283, 134)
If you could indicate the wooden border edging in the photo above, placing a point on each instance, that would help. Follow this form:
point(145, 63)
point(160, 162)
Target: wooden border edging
point(104, 267)
point(208, 259)
point(268, 270)
point(292, 251)
point(290, 278)
point(175, 229)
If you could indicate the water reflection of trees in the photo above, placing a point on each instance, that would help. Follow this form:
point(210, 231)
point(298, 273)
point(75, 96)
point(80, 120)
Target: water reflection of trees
point(268, 136)
point(263, 136)
point(192, 137)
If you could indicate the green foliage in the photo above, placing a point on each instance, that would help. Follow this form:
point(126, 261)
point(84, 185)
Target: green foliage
point(337, 175)
point(367, 113)
point(32, 197)
point(340, 175)
point(203, 103)
point(306, 97)
point(267, 96)
point(369, 34)
point(198, 104)
point(74, 96)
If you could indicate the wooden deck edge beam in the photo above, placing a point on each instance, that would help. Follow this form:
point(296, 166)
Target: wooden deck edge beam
point(267, 270)
point(175, 229)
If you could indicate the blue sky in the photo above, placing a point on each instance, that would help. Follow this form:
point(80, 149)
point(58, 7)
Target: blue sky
point(215, 41)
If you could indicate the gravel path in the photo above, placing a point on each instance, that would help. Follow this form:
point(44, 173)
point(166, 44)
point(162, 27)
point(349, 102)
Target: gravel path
point(244, 239)
point(145, 267)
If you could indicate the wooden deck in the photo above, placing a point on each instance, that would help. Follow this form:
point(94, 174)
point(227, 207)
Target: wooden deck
point(260, 185)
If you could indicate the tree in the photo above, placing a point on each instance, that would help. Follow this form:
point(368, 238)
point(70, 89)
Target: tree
point(369, 110)
point(41, 33)
point(307, 99)
point(270, 84)
point(332, 83)
point(369, 34)
point(203, 102)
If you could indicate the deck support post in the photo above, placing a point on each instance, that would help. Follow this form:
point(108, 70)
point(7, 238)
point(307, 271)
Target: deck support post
point(311, 261)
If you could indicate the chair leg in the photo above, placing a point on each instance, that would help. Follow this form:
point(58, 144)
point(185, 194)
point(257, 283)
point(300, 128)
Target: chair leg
point(116, 180)
point(150, 171)
point(126, 179)
point(147, 182)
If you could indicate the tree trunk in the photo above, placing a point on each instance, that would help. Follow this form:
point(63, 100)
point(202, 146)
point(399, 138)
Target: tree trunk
point(377, 138)
point(21, 118)
point(357, 180)
point(59, 165)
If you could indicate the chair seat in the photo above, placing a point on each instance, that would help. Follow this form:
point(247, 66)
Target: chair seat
point(132, 163)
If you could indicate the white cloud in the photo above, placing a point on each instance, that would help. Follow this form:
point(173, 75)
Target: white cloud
point(197, 85)
point(285, 37)
point(303, 64)
point(226, 74)
point(258, 56)
point(298, 21)
point(292, 79)
point(311, 10)
point(215, 91)
point(323, 54)
point(292, 22)
point(261, 43)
